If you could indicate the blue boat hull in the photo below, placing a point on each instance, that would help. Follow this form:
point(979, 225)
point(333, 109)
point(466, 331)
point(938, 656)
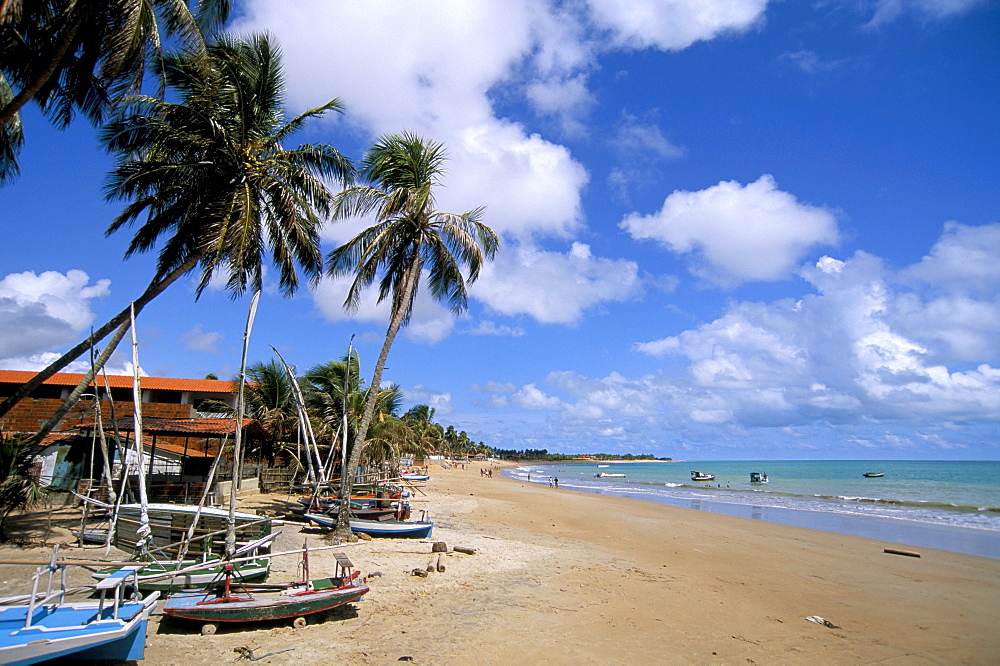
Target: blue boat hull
point(72, 631)
point(419, 529)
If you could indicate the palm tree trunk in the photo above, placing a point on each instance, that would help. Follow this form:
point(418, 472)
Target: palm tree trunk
point(154, 289)
point(400, 307)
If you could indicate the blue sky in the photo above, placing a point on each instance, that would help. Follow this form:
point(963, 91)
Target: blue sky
point(731, 230)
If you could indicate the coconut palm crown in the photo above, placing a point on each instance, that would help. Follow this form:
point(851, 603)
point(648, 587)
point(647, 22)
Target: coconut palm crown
point(211, 172)
point(69, 55)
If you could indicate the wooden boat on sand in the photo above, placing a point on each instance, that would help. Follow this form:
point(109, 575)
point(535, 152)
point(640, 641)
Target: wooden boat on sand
point(49, 627)
point(403, 529)
point(235, 602)
point(171, 575)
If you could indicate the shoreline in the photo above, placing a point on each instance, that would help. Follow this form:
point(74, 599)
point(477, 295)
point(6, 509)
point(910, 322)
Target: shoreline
point(964, 539)
point(570, 577)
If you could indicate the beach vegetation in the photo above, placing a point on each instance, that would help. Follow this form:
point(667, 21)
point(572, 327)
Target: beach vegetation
point(410, 236)
point(19, 487)
point(543, 454)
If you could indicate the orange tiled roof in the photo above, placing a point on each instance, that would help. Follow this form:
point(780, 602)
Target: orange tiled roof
point(125, 381)
point(204, 427)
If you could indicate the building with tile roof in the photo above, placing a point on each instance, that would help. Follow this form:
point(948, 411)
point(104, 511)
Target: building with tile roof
point(182, 431)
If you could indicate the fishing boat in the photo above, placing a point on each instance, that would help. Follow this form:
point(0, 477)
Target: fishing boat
point(701, 476)
point(169, 523)
point(50, 627)
point(171, 575)
point(758, 477)
point(874, 475)
point(236, 602)
point(408, 476)
point(403, 529)
point(601, 475)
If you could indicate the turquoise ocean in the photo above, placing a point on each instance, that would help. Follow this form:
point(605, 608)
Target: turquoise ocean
point(951, 505)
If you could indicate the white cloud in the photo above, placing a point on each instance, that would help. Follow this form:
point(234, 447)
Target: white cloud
point(552, 287)
point(439, 401)
point(44, 311)
point(487, 327)
point(738, 233)
point(673, 26)
point(645, 140)
point(887, 11)
point(963, 260)
point(531, 397)
point(206, 342)
point(849, 354)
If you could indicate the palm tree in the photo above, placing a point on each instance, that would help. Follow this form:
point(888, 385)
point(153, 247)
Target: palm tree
point(409, 236)
point(211, 173)
point(268, 399)
point(70, 55)
point(18, 487)
point(325, 400)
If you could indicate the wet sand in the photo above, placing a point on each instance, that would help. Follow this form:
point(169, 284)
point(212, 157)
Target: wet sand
point(565, 578)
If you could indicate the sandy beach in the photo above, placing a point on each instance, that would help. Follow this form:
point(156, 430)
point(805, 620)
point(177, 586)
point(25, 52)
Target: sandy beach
point(560, 577)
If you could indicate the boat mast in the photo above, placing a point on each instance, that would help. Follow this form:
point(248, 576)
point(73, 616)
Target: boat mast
point(143, 533)
point(238, 432)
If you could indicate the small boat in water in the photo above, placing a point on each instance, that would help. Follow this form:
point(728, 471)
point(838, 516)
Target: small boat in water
point(601, 475)
point(701, 476)
point(874, 475)
point(758, 477)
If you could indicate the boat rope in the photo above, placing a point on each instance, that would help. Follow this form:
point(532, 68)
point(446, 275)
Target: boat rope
point(248, 655)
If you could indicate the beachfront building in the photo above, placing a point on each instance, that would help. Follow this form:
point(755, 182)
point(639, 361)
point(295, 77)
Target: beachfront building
point(184, 426)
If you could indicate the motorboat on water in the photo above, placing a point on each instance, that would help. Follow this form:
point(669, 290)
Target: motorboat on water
point(601, 475)
point(701, 476)
point(874, 475)
point(758, 477)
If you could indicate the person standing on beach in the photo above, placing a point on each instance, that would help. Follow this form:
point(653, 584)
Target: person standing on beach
point(556, 481)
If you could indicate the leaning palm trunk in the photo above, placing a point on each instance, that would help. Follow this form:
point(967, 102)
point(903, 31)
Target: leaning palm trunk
point(119, 321)
point(399, 310)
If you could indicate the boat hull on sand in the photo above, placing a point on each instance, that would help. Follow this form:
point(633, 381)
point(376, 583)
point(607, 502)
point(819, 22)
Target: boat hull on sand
point(248, 605)
point(49, 627)
point(405, 529)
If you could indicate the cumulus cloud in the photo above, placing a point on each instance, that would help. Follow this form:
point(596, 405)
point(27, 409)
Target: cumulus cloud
point(424, 81)
point(673, 26)
point(439, 401)
point(737, 233)
point(552, 287)
point(43, 311)
point(849, 354)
